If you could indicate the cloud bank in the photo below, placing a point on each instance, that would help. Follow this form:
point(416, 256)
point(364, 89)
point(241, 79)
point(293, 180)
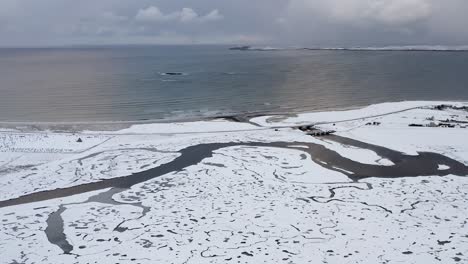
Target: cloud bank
point(271, 22)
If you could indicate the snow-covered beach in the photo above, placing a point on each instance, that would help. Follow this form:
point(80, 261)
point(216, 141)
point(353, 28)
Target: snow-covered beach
point(388, 186)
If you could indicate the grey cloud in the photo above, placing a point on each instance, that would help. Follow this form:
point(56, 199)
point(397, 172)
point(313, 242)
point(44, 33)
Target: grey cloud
point(269, 22)
point(154, 14)
point(390, 12)
point(373, 22)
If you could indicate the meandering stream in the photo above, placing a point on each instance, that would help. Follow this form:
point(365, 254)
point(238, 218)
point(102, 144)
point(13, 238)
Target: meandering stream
point(424, 164)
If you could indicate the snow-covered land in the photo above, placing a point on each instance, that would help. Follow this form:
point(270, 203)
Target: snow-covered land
point(388, 187)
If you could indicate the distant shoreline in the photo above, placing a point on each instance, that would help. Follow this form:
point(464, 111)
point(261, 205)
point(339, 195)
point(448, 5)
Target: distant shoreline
point(386, 48)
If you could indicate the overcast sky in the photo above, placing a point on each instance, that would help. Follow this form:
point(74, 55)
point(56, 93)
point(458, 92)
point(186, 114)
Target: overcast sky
point(262, 22)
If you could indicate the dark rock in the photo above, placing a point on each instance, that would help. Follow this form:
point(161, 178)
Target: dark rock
point(240, 48)
point(173, 73)
point(442, 242)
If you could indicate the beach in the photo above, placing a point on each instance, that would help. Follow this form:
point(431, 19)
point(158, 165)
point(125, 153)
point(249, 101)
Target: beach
point(384, 183)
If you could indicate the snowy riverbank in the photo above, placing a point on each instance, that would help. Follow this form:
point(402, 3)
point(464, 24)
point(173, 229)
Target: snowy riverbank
point(388, 186)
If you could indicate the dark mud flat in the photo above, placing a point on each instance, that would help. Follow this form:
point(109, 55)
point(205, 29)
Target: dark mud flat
point(55, 231)
point(425, 164)
point(55, 225)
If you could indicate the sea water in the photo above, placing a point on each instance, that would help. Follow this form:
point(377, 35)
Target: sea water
point(129, 83)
